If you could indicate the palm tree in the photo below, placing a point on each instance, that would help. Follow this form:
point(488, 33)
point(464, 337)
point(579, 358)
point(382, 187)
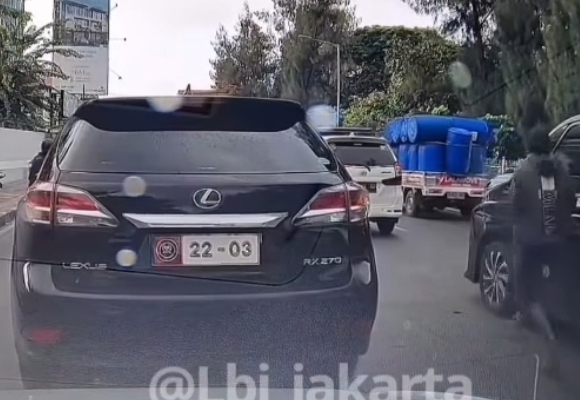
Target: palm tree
point(25, 70)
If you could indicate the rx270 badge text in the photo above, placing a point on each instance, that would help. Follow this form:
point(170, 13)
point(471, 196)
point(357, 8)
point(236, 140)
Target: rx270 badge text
point(322, 261)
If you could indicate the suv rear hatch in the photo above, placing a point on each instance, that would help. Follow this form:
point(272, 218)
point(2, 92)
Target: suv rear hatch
point(235, 191)
point(370, 163)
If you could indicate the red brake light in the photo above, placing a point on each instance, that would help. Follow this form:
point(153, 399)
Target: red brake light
point(63, 205)
point(329, 201)
point(74, 201)
point(341, 203)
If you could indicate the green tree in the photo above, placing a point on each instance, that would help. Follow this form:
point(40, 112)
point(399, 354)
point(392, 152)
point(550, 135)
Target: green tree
point(472, 24)
point(412, 63)
point(25, 70)
point(247, 59)
point(308, 67)
point(509, 144)
point(373, 111)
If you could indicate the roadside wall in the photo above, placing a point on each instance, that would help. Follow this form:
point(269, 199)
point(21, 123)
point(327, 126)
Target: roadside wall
point(16, 150)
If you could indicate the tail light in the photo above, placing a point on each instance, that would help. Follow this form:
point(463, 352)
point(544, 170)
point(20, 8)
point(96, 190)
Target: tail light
point(48, 203)
point(341, 203)
point(398, 169)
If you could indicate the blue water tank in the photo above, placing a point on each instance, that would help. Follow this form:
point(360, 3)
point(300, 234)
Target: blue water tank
point(389, 133)
point(431, 157)
point(404, 156)
point(477, 159)
point(395, 131)
point(428, 128)
point(459, 142)
point(413, 157)
point(482, 128)
point(404, 138)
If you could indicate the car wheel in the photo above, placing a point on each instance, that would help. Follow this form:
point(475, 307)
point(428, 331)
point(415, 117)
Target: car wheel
point(412, 203)
point(386, 225)
point(496, 276)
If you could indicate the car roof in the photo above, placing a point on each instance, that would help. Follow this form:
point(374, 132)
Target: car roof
point(211, 113)
point(115, 99)
point(571, 120)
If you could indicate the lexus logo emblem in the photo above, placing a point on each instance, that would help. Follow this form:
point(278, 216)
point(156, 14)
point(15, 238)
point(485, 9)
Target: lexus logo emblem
point(207, 199)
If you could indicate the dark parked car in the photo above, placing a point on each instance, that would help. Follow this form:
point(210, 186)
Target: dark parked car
point(223, 226)
point(490, 260)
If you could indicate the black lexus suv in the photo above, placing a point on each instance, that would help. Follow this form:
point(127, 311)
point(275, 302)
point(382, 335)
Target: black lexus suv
point(490, 260)
point(177, 230)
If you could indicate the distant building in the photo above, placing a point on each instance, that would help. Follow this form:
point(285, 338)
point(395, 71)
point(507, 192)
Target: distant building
point(16, 5)
point(83, 25)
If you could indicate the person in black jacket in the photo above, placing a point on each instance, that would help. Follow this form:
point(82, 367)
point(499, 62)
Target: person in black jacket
point(38, 159)
point(544, 199)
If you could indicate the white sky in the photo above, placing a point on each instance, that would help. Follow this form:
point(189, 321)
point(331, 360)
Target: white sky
point(168, 42)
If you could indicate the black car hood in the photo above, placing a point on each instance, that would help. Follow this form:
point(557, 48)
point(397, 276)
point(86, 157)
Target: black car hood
point(200, 394)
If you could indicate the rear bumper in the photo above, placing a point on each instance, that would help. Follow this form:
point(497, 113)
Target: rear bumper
point(386, 212)
point(392, 210)
point(97, 331)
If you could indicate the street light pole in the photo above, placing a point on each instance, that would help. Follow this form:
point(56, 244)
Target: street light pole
point(338, 85)
point(338, 72)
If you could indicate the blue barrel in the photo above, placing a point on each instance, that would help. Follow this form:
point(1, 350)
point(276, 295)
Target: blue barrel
point(413, 157)
point(477, 159)
point(484, 133)
point(428, 128)
point(396, 132)
point(393, 131)
point(404, 156)
point(459, 143)
point(404, 138)
point(431, 157)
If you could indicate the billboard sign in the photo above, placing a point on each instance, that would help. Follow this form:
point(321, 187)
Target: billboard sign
point(83, 26)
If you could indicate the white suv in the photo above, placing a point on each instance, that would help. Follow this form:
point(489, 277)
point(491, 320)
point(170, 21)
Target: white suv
point(372, 163)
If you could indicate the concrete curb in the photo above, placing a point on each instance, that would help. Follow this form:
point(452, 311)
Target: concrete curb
point(7, 218)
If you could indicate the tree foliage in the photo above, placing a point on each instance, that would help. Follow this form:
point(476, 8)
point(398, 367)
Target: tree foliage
point(246, 59)
point(520, 53)
point(25, 71)
point(520, 58)
point(373, 111)
point(509, 144)
point(273, 53)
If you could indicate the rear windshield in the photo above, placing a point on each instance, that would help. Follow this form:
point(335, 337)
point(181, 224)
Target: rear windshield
point(365, 155)
point(293, 150)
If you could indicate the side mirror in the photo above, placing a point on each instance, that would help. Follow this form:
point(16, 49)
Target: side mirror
point(396, 181)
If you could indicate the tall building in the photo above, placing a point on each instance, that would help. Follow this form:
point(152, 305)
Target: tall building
point(17, 5)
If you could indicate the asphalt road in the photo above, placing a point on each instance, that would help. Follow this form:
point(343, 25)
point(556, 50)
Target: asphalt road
point(429, 317)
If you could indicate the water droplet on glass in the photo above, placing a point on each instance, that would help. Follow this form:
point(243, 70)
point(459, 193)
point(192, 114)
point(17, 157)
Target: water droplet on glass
point(322, 117)
point(460, 75)
point(126, 257)
point(134, 186)
point(165, 104)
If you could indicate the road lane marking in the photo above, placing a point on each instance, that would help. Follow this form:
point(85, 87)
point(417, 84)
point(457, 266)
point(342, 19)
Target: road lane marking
point(398, 228)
